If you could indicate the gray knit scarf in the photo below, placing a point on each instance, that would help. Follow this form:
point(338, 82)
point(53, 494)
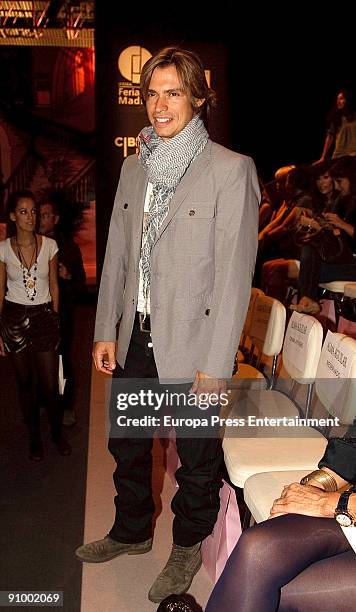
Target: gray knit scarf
point(165, 162)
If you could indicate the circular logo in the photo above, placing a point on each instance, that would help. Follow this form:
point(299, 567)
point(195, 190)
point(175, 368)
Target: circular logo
point(131, 61)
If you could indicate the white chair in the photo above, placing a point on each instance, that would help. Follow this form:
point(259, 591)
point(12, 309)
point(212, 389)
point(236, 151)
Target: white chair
point(332, 294)
point(240, 357)
point(348, 303)
point(266, 332)
point(249, 450)
point(335, 387)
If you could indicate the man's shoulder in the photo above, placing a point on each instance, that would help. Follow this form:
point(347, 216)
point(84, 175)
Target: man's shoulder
point(225, 160)
point(130, 164)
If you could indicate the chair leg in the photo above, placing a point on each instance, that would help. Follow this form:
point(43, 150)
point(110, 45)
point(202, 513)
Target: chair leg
point(273, 373)
point(309, 399)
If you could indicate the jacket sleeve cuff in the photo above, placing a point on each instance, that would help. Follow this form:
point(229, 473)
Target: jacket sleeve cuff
point(340, 456)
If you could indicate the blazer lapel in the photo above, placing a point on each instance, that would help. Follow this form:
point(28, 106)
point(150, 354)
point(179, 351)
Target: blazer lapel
point(185, 185)
point(140, 195)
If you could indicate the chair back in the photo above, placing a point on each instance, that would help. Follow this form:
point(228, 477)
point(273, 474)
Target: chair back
point(302, 347)
point(267, 325)
point(335, 383)
point(249, 316)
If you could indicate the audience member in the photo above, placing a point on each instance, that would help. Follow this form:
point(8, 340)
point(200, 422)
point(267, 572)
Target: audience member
point(321, 265)
point(276, 239)
point(262, 574)
point(29, 325)
point(341, 130)
point(278, 274)
point(71, 282)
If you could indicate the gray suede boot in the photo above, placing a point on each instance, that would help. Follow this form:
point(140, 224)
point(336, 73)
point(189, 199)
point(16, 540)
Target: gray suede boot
point(177, 576)
point(107, 549)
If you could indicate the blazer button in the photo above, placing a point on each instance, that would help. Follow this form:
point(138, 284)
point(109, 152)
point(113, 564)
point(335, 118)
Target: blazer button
point(125, 205)
point(191, 213)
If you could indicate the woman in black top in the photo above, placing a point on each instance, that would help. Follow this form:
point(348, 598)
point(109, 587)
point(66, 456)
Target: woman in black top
point(313, 270)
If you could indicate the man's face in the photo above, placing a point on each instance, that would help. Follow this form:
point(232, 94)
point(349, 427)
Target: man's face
point(48, 220)
point(169, 108)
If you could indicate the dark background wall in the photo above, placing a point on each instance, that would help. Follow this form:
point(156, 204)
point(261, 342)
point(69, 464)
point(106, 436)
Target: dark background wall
point(278, 76)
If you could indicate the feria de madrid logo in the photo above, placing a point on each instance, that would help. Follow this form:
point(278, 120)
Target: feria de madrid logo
point(130, 64)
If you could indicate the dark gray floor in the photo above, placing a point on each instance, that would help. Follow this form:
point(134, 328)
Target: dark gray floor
point(42, 504)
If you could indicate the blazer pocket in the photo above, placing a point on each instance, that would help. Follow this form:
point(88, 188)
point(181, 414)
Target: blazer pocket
point(194, 210)
point(192, 309)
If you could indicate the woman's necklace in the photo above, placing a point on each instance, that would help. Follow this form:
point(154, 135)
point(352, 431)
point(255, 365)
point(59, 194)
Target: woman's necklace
point(29, 277)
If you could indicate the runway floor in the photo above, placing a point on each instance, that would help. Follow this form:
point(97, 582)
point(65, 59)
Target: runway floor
point(49, 508)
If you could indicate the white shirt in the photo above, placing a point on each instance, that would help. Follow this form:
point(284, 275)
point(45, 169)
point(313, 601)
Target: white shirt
point(141, 299)
point(15, 287)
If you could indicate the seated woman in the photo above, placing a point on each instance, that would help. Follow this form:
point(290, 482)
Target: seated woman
point(273, 197)
point(278, 274)
point(315, 270)
point(276, 239)
point(300, 560)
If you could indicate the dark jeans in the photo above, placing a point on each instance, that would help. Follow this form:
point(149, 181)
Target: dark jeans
point(38, 368)
point(196, 503)
point(313, 271)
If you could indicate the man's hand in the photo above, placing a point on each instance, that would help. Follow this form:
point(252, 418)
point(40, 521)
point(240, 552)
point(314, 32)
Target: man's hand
point(2, 348)
point(104, 356)
point(207, 385)
point(305, 499)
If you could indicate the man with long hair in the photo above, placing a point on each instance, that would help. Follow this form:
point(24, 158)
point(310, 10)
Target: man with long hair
point(176, 278)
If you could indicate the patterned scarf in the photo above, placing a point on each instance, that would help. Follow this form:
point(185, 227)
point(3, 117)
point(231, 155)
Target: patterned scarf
point(165, 162)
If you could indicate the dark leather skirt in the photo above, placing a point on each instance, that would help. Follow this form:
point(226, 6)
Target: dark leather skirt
point(29, 327)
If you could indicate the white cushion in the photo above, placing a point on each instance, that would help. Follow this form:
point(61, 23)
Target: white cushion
point(336, 286)
point(261, 490)
point(249, 449)
point(247, 456)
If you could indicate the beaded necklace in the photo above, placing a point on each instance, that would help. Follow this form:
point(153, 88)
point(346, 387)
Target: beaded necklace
point(29, 277)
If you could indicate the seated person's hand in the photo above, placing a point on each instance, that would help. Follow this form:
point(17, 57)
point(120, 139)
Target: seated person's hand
point(306, 221)
point(305, 499)
point(334, 219)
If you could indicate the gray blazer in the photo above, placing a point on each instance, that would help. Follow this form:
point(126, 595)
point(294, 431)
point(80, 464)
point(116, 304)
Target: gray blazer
point(201, 265)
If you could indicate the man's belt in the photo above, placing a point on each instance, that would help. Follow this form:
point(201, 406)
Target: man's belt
point(144, 322)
